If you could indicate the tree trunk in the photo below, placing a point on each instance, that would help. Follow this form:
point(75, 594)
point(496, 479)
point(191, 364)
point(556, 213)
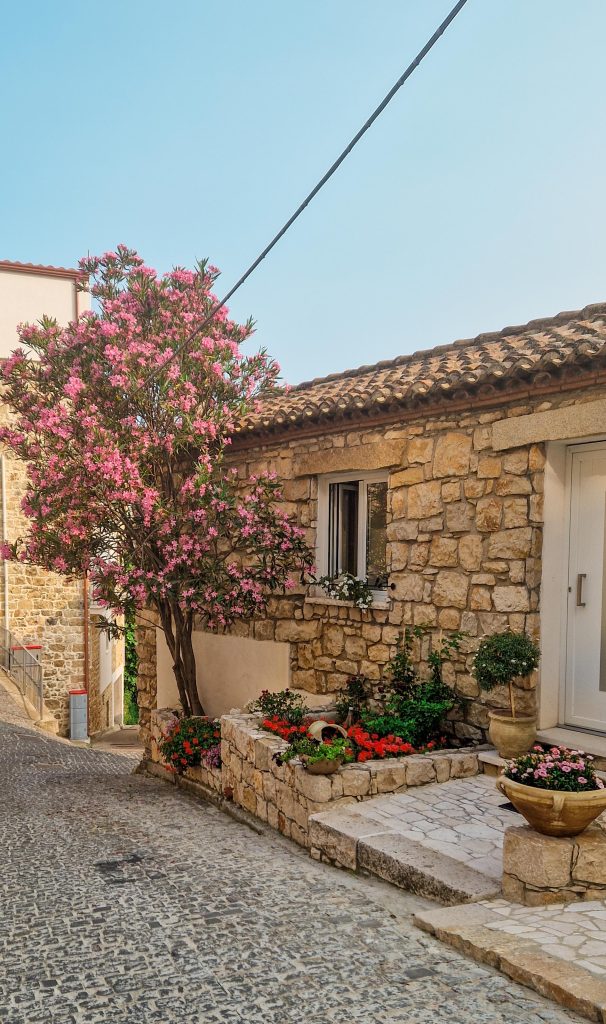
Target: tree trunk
point(177, 630)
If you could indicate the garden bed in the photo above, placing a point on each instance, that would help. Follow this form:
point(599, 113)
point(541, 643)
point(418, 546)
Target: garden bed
point(208, 778)
point(286, 795)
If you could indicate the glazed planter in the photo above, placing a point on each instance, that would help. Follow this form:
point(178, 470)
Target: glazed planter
point(327, 766)
point(553, 812)
point(511, 736)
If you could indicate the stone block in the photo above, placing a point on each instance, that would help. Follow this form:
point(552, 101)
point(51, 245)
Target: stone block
point(516, 461)
point(391, 778)
point(473, 487)
point(420, 449)
point(424, 500)
point(337, 836)
point(463, 765)
point(292, 631)
point(488, 514)
point(515, 512)
point(513, 485)
point(419, 771)
point(511, 599)
point(489, 466)
point(449, 618)
point(314, 787)
point(513, 543)
point(412, 475)
point(408, 586)
point(589, 861)
point(443, 551)
point(356, 782)
point(470, 551)
point(248, 799)
point(450, 589)
point(537, 860)
point(452, 453)
point(451, 491)
point(459, 517)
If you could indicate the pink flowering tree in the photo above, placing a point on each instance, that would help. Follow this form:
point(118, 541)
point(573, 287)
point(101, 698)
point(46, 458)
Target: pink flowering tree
point(125, 421)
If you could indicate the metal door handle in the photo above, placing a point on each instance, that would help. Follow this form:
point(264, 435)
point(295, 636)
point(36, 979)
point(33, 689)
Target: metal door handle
point(580, 577)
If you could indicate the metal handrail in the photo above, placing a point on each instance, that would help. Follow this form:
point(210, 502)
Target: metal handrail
point(23, 667)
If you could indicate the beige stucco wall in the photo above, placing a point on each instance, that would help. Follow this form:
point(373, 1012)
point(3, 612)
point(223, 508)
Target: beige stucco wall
point(25, 297)
point(231, 671)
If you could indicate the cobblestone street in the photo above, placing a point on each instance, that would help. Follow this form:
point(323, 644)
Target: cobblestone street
point(125, 901)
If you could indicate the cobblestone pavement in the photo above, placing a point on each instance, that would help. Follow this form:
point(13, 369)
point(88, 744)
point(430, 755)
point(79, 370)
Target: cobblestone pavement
point(125, 901)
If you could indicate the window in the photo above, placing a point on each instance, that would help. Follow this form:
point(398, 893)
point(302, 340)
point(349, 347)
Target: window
point(352, 519)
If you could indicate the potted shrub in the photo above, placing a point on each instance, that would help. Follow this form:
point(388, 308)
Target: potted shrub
point(556, 790)
point(502, 658)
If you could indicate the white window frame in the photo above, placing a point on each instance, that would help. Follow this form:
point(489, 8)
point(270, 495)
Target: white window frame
point(324, 482)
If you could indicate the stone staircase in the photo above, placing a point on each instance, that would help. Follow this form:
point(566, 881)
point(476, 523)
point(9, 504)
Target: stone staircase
point(442, 841)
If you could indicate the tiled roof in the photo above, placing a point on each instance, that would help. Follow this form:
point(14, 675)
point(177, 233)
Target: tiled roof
point(488, 363)
point(40, 268)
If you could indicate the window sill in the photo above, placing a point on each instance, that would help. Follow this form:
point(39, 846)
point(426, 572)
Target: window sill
point(379, 604)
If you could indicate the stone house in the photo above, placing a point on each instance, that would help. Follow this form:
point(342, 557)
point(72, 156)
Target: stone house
point(468, 484)
point(37, 607)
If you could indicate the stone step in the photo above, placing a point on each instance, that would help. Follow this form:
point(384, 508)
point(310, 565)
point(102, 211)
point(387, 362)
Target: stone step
point(350, 839)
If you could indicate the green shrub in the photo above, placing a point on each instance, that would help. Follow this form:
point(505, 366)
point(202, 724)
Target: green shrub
point(288, 706)
point(355, 698)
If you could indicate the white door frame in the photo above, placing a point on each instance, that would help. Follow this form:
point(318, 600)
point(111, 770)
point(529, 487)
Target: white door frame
point(553, 608)
point(573, 484)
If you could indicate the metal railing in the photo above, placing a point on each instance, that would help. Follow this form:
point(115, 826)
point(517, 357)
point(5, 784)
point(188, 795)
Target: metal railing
point(24, 668)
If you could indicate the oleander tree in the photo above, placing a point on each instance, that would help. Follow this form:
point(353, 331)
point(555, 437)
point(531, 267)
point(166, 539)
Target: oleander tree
point(124, 421)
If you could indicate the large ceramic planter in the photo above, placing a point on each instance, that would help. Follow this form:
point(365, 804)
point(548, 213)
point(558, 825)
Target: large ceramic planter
point(552, 812)
point(327, 766)
point(511, 736)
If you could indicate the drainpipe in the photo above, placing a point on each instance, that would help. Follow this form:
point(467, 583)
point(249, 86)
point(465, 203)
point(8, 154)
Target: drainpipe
point(4, 539)
point(85, 614)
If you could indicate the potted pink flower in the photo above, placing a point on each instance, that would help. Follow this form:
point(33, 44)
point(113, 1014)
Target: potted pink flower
point(556, 790)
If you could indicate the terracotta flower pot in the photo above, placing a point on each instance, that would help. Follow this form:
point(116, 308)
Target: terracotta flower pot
point(511, 736)
point(324, 731)
point(552, 812)
point(327, 766)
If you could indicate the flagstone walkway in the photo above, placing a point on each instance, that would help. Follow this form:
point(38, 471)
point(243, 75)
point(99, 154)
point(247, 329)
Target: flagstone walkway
point(126, 902)
point(444, 840)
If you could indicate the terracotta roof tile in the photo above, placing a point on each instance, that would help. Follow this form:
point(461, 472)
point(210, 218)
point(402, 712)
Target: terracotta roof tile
point(40, 268)
point(461, 368)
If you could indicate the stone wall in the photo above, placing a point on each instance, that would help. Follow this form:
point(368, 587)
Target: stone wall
point(286, 795)
point(465, 525)
point(146, 674)
point(44, 608)
point(540, 870)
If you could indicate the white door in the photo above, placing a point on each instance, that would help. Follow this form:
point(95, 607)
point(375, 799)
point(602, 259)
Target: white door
point(585, 703)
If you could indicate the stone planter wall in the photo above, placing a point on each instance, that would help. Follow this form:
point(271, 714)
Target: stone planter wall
point(285, 796)
point(539, 870)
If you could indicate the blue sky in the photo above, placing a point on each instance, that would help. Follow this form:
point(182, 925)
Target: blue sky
point(188, 130)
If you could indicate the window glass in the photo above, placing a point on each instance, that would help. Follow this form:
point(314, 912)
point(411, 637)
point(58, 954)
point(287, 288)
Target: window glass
point(343, 528)
point(376, 535)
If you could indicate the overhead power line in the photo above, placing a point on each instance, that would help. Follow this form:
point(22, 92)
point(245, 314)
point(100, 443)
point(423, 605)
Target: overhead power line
point(322, 182)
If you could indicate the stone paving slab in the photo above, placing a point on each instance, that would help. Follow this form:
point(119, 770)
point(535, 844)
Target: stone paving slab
point(124, 901)
point(444, 841)
point(560, 951)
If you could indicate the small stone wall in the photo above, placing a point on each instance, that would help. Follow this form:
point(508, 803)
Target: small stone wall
point(538, 869)
point(286, 795)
